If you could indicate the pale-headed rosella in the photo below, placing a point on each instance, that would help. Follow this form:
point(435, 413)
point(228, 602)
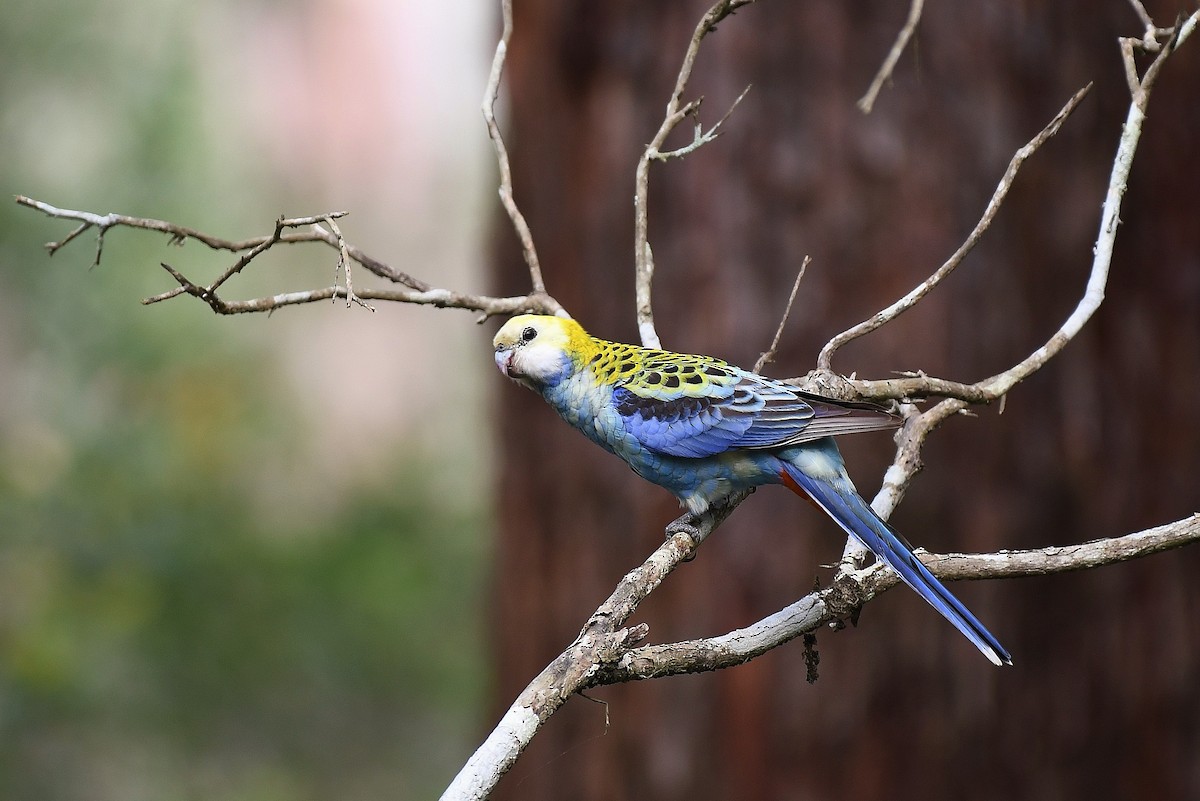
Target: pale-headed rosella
point(705, 429)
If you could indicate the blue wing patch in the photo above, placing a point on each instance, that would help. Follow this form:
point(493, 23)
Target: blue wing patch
point(753, 412)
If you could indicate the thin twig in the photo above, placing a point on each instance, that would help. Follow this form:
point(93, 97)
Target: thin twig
point(490, 95)
point(52, 247)
point(700, 137)
point(262, 247)
point(1152, 32)
point(487, 305)
point(343, 265)
point(177, 232)
point(867, 101)
point(1140, 10)
point(769, 354)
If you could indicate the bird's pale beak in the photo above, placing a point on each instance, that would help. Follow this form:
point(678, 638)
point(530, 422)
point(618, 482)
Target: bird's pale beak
point(503, 357)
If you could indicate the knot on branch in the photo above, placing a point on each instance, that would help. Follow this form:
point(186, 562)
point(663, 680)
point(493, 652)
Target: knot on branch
point(828, 383)
point(591, 655)
point(847, 594)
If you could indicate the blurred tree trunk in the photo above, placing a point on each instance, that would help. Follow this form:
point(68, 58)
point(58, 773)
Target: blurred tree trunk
point(1104, 696)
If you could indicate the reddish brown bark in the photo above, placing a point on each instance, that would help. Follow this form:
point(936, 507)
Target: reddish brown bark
point(1104, 696)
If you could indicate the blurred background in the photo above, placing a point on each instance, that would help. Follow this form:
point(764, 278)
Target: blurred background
point(261, 557)
point(240, 558)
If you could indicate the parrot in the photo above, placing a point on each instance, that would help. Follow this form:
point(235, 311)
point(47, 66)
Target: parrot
point(704, 429)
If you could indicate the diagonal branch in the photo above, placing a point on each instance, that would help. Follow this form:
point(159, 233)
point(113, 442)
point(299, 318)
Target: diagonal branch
point(602, 641)
point(867, 101)
point(769, 354)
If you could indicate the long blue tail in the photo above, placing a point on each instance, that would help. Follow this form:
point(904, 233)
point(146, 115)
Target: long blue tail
point(817, 470)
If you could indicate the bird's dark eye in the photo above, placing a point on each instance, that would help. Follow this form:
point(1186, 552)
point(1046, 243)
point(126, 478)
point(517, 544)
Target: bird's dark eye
point(528, 334)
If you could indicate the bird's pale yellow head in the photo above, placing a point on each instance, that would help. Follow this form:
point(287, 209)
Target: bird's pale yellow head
point(537, 349)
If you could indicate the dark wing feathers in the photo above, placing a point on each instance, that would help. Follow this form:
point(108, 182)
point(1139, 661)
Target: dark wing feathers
point(832, 418)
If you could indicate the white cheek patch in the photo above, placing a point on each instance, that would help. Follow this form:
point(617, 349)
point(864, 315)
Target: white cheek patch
point(538, 361)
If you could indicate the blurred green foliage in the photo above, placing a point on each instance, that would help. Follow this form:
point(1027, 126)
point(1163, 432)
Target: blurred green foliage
point(161, 636)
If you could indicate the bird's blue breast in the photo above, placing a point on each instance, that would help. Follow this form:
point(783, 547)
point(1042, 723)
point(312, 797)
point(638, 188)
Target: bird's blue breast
point(587, 405)
point(594, 409)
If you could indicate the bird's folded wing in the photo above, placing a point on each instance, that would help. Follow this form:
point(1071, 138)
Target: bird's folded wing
point(697, 408)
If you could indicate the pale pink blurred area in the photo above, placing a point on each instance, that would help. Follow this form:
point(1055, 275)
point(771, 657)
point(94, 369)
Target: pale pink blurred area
point(367, 96)
point(370, 107)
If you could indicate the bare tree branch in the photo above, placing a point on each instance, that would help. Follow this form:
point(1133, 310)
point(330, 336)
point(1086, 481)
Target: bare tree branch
point(407, 289)
point(1149, 40)
point(1140, 10)
point(178, 233)
point(867, 101)
point(412, 291)
point(700, 137)
point(605, 652)
point(675, 114)
point(343, 264)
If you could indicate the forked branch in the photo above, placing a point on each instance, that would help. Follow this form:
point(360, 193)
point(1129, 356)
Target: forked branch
point(676, 112)
point(319, 228)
